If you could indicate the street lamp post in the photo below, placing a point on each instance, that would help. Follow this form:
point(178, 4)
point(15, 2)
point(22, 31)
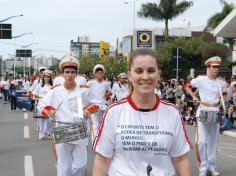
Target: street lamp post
point(28, 33)
point(25, 46)
point(132, 2)
point(22, 35)
point(10, 18)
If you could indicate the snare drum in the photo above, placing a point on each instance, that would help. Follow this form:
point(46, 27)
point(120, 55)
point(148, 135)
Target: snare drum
point(210, 116)
point(68, 132)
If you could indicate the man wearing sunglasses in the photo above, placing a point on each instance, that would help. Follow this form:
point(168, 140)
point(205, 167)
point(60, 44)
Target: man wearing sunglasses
point(210, 90)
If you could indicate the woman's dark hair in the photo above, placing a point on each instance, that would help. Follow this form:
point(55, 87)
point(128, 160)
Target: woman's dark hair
point(50, 81)
point(142, 52)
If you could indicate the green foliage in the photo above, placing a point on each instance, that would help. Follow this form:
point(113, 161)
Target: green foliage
point(216, 19)
point(194, 53)
point(167, 10)
point(112, 66)
point(215, 49)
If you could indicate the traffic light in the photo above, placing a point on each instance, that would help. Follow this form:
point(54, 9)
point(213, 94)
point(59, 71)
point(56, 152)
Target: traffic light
point(5, 31)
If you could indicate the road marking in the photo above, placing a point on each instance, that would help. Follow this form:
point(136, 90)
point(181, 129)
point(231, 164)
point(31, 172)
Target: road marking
point(25, 115)
point(29, 169)
point(26, 131)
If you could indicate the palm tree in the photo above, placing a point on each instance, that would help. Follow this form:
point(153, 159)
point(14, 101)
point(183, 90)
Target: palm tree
point(215, 19)
point(167, 10)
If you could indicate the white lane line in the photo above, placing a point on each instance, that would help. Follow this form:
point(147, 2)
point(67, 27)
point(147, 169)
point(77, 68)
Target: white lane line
point(29, 169)
point(26, 131)
point(25, 115)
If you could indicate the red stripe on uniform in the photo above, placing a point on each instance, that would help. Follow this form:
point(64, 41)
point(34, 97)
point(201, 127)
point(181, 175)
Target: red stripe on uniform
point(103, 120)
point(185, 132)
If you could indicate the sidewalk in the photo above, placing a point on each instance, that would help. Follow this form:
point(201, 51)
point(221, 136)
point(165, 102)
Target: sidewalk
point(231, 133)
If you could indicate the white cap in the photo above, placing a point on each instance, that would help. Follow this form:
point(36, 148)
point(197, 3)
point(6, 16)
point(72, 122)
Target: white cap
point(42, 68)
point(122, 75)
point(98, 66)
point(67, 61)
point(216, 60)
point(47, 72)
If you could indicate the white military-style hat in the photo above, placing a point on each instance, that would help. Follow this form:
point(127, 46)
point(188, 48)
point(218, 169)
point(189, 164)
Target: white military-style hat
point(42, 68)
point(69, 61)
point(47, 72)
point(98, 66)
point(216, 60)
point(122, 75)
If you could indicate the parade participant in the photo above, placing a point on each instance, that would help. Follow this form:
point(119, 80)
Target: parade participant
point(142, 135)
point(210, 89)
point(69, 100)
point(5, 84)
point(38, 80)
point(100, 89)
point(40, 92)
point(120, 89)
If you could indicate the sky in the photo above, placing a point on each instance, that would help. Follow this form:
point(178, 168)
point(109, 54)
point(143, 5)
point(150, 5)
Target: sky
point(54, 23)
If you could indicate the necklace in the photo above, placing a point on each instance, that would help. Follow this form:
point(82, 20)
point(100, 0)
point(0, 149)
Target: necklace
point(149, 167)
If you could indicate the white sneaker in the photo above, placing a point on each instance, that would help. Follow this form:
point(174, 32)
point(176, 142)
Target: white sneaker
point(41, 136)
point(214, 173)
point(23, 109)
point(202, 173)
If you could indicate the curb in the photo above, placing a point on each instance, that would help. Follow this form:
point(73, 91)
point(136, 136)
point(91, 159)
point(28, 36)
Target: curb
point(229, 133)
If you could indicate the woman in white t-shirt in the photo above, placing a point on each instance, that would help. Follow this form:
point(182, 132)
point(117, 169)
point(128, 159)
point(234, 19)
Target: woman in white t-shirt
point(142, 135)
point(45, 127)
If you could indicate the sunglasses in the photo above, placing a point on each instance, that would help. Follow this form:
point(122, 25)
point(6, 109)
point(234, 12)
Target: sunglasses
point(215, 66)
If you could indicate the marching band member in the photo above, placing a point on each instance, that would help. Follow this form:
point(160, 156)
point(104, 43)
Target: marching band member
point(120, 89)
point(68, 101)
point(142, 135)
point(41, 91)
point(101, 90)
point(210, 89)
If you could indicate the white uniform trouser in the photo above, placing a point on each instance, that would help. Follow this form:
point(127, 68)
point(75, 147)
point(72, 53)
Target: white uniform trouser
point(207, 143)
point(71, 159)
point(96, 119)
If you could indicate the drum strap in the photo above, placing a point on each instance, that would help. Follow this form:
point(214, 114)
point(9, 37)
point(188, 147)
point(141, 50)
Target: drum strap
point(79, 104)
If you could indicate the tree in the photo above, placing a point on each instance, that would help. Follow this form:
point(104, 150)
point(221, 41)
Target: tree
point(167, 10)
point(194, 53)
point(216, 19)
point(113, 67)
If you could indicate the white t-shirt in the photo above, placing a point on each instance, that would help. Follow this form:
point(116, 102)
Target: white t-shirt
point(134, 139)
point(208, 91)
point(120, 91)
point(36, 82)
point(42, 91)
point(98, 90)
point(5, 85)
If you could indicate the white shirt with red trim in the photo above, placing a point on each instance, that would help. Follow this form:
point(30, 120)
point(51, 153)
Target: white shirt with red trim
point(208, 91)
point(134, 139)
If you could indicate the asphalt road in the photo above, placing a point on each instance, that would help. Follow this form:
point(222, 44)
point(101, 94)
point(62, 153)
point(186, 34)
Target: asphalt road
point(22, 154)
